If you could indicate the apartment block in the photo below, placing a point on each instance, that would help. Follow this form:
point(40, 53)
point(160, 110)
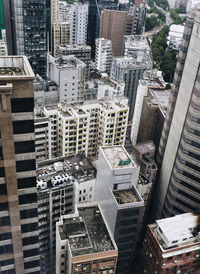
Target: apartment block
point(139, 16)
point(68, 72)
point(121, 203)
point(60, 35)
point(19, 235)
point(84, 127)
point(84, 243)
point(103, 55)
point(130, 70)
point(64, 11)
point(82, 52)
point(78, 23)
point(172, 245)
point(151, 80)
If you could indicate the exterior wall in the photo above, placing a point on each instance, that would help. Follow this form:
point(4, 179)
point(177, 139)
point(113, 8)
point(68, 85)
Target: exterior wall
point(103, 55)
point(112, 27)
point(182, 120)
point(18, 198)
point(78, 21)
point(141, 92)
point(85, 191)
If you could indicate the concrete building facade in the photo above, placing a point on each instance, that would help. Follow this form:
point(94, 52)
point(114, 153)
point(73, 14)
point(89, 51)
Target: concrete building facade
point(121, 203)
point(130, 70)
point(103, 55)
point(19, 235)
point(60, 35)
point(78, 23)
point(113, 26)
point(68, 72)
point(178, 188)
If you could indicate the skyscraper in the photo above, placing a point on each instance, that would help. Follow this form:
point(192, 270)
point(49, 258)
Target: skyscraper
point(178, 189)
point(19, 243)
point(26, 31)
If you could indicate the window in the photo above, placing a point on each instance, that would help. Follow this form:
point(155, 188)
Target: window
point(24, 147)
point(29, 213)
point(22, 127)
point(3, 206)
point(22, 105)
point(25, 165)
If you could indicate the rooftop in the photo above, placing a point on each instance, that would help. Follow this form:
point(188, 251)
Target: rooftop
point(73, 47)
point(126, 196)
point(146, 147)
point(161, 97)
point(178, 231)
point(68, 61)
point(64, 171)
point(152, 78)
point(118, 157)
point(87, 233)
point(16, 68)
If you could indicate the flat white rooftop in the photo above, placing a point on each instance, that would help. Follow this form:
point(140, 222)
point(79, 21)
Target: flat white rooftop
point(178, 227)
point(118, 157)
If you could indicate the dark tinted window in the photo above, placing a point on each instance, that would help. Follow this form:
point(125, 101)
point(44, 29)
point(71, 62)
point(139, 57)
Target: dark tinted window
point(25, 165)
point(29, 213)
point(26, 182)
point(24, 147)
point(22, 105)
point(22, 127)
point(28, 198)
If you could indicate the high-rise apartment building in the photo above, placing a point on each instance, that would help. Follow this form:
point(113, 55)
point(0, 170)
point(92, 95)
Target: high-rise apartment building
point(134, 45)
point(84, 243)
point(82, 52)
point(68, 72)
point(19, 241)
point(64, 11)
point(121, 203)
point(139, 17)
point(113, 26)
point(26, 31)
point(178, 188)
point(84, 127)
point(172, 245)
point(54, 11)
point(60, 35)
point(130, 70)
point(78, 23)
point(103, 55)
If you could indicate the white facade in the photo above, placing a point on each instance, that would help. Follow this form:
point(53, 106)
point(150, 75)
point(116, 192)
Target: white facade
point(175, 36)
point(192, 4)
point(103, 55)
point(68, 73)
point(3, 44)
point(83, 128)
point(110, 87)
point(151, 79)
point(86, 190)
point(78, 23)
point(64, 11)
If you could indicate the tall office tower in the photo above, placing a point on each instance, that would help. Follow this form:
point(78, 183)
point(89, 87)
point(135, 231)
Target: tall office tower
point(178, 188)
point(139, 17)
point(56, 197)
point(26, 31)
point(151, 79)
point(121, 203)
point(84, 243)
point(60, 35)
point(48, 25)
point(172, 245)
point(19, 242)
point(114, 25)
point(103, 55)
point(95, 9)
point(82, 52)
point(68, 72)
point(78, 23)
point(130, 70)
